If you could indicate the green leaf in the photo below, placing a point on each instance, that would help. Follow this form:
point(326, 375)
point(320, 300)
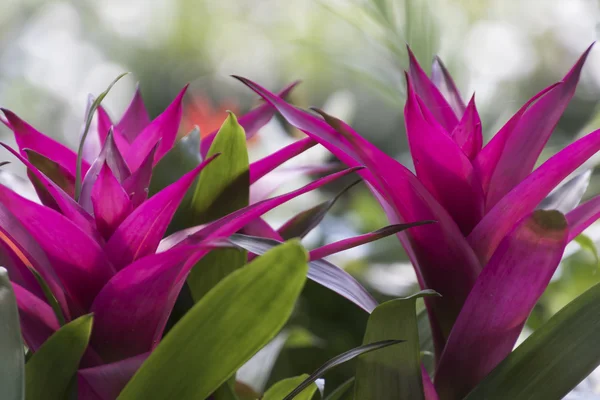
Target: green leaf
point(280, 389)
point(225, 329)
point(340, 359)
point(49, 372)
point(89, 116)
point(396, 372)
point(223, 187)
point(343, 391)
point(553, 360)
point(49, 296)
point(426, 341)
point(588, 244)
point(12, 356)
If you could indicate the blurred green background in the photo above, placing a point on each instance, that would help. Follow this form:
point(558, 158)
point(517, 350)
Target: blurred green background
point(350, 56)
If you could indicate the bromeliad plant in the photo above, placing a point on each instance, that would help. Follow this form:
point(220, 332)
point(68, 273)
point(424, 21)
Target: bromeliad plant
point(491, 254)
point(96, 281)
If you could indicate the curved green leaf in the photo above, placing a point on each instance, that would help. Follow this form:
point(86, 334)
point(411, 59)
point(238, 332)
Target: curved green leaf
point(588, 244)
point(340, 359)
point(89, 116)
point(553, 360)
point(222, 331)
point(279, 390)
point(11, 345)
point(49, 372)
point(343, 391)
point(396, 372)
point(223, 187)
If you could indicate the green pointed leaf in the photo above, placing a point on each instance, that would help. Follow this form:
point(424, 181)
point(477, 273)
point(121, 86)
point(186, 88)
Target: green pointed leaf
point(12, 357)
point(588, 244)
point(426, 341)
point(280, 389)
point(51, 369)
point(223, 187)
point(225, 329)
point(394, 373)
point(89, 116)
point(340, 359)
point(343, 391)
point(553, 360)
point(49, 296)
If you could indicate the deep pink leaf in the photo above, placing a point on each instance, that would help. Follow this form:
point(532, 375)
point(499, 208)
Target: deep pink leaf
point(345, 244)
point(408, 201)
point(78, 260)
point(164, 128)
point(132, 309)
point(110, 201)
point(135, 119)
point(54, 171)
point(530, 135)
point(142, 230)
point(138, 184)
point(433, 99)
point(428, 388)
point(252, 122)
point(110, 155)
point(526, 196)
point(441, 165)
point(105, 125)
point(38, 321)
point(24, 252)
point(443, 81)
point(28, 137)
point(105, 382)
point(488, 157)
point(501, 300)
point(467, 133)
point(262, 167)
point(64, 203)
point(583, 216)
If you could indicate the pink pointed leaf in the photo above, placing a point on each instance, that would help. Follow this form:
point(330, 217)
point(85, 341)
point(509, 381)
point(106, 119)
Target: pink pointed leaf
point(526, 196)
point(488, 157)
point(38, 321)
point(105, 125)
point(345, 244)
point(408, 200)
point(78, 260)
point(583, 216)
point(433, 99)
point(443, 81)
point(467, 133)
point(141, 232)
point(63, 203)
point(105, 382)
point(530, 135)
point(138, 183)
point(262, 167)
point(21, 252)
point(54, 171)
point(28, 137)
point(110, 202)
point(135, 119)
point(441, 165)
point(501, 300)
point(110, 155)
point(164, 129)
